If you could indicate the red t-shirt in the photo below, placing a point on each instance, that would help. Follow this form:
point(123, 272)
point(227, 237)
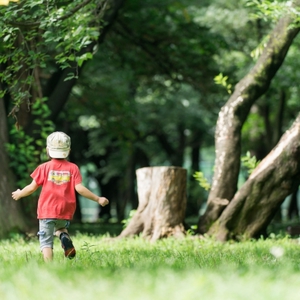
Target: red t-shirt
point(58, 179)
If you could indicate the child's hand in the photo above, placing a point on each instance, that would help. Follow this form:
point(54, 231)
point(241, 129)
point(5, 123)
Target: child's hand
point(16, 194)
point(103, 201)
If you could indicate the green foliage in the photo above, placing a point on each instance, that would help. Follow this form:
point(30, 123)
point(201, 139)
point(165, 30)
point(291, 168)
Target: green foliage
point(199, 268)
point(199, 176)
point(22, 160)
point(253, 131)
point(192, 230)
point(148, 87)
point(270, 10)
point(32, 33)
point(222, 80)
point(249, 162)
point(26, 152)
point(125, 222)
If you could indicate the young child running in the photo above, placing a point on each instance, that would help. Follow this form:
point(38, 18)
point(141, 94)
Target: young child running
point(59, 179)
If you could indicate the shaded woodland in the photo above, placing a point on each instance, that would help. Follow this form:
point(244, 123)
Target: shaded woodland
point(146, 84)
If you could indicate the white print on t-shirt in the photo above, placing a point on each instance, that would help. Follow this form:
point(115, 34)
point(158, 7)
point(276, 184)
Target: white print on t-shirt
point(59, 177)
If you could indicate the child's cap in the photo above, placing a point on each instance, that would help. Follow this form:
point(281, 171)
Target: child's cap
point(58, 145)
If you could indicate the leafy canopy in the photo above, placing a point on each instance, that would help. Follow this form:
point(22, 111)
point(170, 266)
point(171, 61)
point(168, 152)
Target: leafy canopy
point(34, 33)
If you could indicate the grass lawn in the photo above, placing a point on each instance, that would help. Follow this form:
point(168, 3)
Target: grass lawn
point(190, 268)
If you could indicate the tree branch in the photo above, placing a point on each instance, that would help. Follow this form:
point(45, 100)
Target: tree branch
point(66, 16)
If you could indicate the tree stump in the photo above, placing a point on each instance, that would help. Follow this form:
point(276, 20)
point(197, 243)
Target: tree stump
point(162, 203)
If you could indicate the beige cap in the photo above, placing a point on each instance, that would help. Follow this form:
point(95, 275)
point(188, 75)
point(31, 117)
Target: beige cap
point(58, 145)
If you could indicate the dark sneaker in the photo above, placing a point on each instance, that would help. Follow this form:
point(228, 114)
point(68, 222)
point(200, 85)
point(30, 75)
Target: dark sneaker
point(67, 245)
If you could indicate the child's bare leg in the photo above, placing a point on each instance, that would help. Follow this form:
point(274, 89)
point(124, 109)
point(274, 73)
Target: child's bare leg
point(60, 231)
point(48, 254)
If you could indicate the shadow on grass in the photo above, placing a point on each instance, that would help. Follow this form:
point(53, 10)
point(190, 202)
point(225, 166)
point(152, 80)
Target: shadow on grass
point(113, 229)
point(291, 228)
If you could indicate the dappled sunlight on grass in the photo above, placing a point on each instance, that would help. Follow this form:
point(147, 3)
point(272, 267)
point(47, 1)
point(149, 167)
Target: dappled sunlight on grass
point(136, 269)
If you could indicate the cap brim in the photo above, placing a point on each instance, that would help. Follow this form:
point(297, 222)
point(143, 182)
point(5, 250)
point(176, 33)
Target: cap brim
point(58, 153)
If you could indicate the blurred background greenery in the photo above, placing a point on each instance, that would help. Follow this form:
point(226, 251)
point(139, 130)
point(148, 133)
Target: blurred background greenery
point(148, 96)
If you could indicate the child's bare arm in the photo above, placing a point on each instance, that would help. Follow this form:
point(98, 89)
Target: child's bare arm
point(26, 191)
point(83, 191)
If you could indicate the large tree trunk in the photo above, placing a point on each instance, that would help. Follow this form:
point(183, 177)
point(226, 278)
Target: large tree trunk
point(255, 204)
point(11, 217)
point(232, 117)
point(162, 203)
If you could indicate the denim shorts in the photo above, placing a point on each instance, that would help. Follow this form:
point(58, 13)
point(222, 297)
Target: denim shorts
point(47, 228)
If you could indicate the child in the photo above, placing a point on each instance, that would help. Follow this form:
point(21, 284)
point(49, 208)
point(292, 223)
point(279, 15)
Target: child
point(59, 179)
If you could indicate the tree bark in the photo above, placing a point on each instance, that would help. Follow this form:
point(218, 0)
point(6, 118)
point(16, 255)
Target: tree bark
point(255, 204)
point(232, 117)
point(11, 217)
point(162, 203)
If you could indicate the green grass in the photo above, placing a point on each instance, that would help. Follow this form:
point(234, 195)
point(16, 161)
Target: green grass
point(190, 268)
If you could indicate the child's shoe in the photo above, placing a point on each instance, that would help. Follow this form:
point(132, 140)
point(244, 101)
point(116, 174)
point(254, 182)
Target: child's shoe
point(67, 245)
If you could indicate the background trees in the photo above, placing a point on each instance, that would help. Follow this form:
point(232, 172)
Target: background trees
point(42, 53)
point(141, 83)
point(234, 113)
point(10, 212)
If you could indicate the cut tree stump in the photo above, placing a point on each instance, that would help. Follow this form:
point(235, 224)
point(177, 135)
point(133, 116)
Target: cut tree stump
point(162, 203)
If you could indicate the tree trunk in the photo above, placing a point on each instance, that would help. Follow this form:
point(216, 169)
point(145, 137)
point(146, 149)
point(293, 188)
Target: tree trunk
point(11, 217)
point(232, 117)
point(162, 203)
point(255, 204)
